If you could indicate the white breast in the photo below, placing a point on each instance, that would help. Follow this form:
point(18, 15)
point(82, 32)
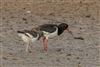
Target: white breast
point(51, 35)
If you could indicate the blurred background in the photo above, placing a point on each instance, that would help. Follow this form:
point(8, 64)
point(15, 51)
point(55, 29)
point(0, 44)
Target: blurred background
point(82, 16)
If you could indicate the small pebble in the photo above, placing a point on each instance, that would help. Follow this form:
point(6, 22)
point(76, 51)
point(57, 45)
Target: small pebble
point(68, 55)
point(28, 11)
point(5, 58)
point(80, 38)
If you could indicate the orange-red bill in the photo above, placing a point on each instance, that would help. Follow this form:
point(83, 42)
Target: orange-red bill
point(69, 31)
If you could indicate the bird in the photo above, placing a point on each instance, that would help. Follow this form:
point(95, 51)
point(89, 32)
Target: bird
point(50, 31)
point(28, 36)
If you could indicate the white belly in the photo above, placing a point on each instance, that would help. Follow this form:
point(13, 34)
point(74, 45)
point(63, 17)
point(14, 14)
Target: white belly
point(26, 38)
point(50, 35)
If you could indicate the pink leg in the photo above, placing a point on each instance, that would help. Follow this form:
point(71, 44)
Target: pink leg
point(45, 43)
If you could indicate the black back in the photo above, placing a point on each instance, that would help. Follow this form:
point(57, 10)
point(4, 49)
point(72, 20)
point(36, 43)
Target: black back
point(48, 28)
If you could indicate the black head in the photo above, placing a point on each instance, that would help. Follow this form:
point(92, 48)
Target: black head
point(63, 26)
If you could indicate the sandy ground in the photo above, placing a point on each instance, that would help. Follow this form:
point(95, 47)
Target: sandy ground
point(83, 17)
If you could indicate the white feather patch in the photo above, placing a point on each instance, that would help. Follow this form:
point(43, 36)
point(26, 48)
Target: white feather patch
point(50, 35)
point(24, 37)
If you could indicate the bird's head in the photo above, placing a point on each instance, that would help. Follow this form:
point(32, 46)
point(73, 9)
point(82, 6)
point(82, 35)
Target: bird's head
point(64, 26)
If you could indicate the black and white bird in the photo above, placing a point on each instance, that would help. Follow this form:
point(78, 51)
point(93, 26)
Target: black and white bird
point(45, 31)
point(28, 37)
point(52, 30)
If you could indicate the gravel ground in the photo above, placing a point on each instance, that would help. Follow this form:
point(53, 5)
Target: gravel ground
point(83, 17)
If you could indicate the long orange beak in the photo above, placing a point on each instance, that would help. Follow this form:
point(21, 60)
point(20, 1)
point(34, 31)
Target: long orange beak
point(69, 31)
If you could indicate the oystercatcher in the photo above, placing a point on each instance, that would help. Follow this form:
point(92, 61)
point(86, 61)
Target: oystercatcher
point(52, 30)
point(28, 37)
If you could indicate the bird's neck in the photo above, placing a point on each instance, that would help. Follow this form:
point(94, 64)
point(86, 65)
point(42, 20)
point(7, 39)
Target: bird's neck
point(60, 30)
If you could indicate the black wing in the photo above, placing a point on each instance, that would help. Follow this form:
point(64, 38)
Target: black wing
point(48, 27)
